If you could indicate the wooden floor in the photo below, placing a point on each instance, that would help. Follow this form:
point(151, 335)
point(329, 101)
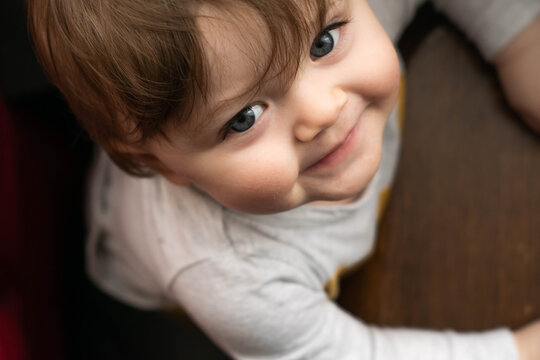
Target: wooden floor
point(459, 246)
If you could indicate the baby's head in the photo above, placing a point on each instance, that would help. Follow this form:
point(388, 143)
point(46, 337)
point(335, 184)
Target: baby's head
point(263, 104)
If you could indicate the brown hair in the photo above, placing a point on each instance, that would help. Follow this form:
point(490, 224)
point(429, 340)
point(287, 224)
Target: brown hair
point(129, 67)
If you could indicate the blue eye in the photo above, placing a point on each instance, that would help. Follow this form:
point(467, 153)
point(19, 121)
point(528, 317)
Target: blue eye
point(324, 43)
point(246, 118)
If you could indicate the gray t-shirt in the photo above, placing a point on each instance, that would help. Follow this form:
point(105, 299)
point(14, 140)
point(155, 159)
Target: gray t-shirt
point(256, 283)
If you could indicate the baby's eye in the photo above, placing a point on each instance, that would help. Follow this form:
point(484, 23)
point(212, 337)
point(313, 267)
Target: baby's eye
point(325, 42)
point(246, 118)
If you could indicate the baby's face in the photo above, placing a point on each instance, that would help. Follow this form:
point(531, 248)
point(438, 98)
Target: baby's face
point(318, 140)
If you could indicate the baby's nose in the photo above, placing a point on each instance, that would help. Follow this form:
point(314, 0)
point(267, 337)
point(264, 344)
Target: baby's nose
point(318, 110)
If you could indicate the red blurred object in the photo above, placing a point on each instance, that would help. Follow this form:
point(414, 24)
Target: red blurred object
point(12, 344)
point(30, 291)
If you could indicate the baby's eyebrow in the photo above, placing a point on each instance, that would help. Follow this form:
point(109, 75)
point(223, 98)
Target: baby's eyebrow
point(214, 117)
point(211, 120)
point(237, 100)
point(221, 106)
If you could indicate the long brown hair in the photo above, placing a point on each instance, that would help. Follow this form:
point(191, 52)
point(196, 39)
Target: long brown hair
point(129, 67)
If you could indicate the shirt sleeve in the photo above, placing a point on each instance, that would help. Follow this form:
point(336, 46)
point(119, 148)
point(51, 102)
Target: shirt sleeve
point(260, 308)
point(394, 15)
point(491, 24)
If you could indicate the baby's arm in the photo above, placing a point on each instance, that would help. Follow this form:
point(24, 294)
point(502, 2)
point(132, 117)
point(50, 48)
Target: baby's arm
point(507, 32)
point(528, 341)
point(258, 307)
point(518, 65)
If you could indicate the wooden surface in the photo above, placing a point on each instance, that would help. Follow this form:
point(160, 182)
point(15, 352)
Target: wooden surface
point(459, 246)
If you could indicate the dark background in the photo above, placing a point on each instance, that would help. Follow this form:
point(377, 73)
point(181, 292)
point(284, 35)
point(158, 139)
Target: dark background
point(20, 74)
point(459, 246)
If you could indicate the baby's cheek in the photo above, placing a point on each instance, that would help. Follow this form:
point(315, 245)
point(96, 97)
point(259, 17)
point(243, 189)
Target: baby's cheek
point(262, 186)
point(380, 71)
point(385, 74)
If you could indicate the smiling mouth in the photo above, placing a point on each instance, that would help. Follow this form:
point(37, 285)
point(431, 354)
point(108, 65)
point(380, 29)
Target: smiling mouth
point(338, 153)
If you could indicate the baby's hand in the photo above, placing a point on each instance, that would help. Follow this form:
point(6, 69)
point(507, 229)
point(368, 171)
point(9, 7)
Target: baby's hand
point(518, 65)
point(528, 341)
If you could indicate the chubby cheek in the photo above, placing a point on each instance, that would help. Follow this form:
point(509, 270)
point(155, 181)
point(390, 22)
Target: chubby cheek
point(383, 83)
point(255, 183)
point(380, 70)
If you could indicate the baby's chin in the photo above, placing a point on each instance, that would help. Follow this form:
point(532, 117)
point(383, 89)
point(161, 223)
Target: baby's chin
point(291, 195)
point(262, 208)
point(259, 207)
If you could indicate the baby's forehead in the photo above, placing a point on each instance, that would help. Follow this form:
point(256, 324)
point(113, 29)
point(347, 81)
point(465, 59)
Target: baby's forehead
point(237, 46)
point(249, 46)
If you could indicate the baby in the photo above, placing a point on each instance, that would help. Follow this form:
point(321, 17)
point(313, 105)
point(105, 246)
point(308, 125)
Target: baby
point(248, 145)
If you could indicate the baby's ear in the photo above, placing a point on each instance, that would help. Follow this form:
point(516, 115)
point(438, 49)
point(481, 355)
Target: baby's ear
point(155, 164)
point(148, 159)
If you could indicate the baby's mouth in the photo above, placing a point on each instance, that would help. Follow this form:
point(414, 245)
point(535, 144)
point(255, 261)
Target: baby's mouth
point(337, 153)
